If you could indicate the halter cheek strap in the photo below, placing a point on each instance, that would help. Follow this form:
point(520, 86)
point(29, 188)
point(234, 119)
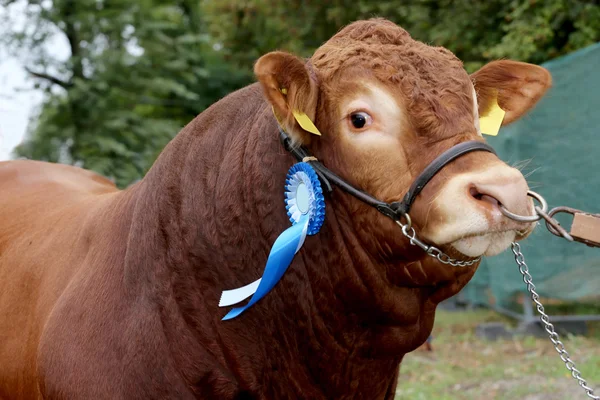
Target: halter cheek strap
point(396, 209)
point(436, 165)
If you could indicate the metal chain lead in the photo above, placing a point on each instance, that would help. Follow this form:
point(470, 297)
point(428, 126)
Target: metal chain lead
point(411, 234)
point(554, 338)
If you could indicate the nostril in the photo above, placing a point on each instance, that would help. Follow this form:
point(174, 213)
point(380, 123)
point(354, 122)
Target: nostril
point(477, 195)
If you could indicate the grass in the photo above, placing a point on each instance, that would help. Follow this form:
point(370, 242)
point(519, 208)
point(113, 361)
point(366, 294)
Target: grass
point(463, 366)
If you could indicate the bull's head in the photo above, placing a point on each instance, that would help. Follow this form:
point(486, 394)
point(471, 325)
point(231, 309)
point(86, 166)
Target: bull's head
point(387, 105)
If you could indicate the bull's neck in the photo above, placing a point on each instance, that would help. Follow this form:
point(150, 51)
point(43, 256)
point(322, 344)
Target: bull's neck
point(213, 206)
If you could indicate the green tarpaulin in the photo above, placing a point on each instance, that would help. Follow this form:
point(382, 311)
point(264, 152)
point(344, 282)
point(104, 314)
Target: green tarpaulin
point(558, 143)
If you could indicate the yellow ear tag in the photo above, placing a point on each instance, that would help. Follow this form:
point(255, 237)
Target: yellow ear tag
point(305, 123)
point(303, 120)
point(490, 123)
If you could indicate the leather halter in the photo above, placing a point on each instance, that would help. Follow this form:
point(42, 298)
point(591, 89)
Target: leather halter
point(397, 209)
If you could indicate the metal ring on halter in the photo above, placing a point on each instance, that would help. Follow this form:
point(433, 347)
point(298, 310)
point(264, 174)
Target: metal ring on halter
point(408, 224)
point(527, 218)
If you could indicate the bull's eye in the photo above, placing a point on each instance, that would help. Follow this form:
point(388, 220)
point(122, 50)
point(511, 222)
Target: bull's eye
point(360, 119)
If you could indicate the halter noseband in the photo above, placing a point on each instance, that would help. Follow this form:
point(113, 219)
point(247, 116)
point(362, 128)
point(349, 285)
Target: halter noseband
point(397, 209)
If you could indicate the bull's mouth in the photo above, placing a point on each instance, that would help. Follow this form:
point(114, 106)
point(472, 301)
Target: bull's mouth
point(490, 243)
point(486, 231)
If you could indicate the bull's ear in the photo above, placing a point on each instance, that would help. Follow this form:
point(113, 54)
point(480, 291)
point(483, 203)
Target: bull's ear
point(517, 86)
point(288, 86)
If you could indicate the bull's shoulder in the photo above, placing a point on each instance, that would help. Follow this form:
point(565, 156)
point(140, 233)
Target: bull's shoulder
point(20, 176)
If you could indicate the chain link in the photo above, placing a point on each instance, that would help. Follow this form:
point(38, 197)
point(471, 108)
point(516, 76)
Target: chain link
point(411, 234)
point(554, 338)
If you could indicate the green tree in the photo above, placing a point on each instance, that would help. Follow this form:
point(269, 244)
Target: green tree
point(137, 72)
point(476, 31)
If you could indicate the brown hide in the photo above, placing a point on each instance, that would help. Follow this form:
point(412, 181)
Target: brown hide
point(108, 294)
point(112, 294)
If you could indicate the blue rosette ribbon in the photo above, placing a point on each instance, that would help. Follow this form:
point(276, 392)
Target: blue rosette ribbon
point(305, 207)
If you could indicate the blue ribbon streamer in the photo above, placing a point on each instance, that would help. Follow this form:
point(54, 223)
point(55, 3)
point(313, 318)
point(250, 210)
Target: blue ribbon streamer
point(281, 255)
point(307, 221)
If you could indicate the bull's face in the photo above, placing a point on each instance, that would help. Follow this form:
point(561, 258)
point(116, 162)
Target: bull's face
point(387, 105)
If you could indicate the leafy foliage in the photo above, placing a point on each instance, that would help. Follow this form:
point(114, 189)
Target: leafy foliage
point(139, 70)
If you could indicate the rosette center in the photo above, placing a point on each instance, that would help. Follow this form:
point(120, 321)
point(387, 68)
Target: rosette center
point(303, 198)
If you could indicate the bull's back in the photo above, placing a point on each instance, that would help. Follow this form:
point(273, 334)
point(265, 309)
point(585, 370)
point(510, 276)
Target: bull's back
point(45, 210)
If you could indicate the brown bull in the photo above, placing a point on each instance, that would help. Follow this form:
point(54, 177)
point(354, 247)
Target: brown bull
point(108, 294)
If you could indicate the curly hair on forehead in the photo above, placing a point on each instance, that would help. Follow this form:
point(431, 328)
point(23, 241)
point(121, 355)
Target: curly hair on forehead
point(375, 31)
point(437, 88)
